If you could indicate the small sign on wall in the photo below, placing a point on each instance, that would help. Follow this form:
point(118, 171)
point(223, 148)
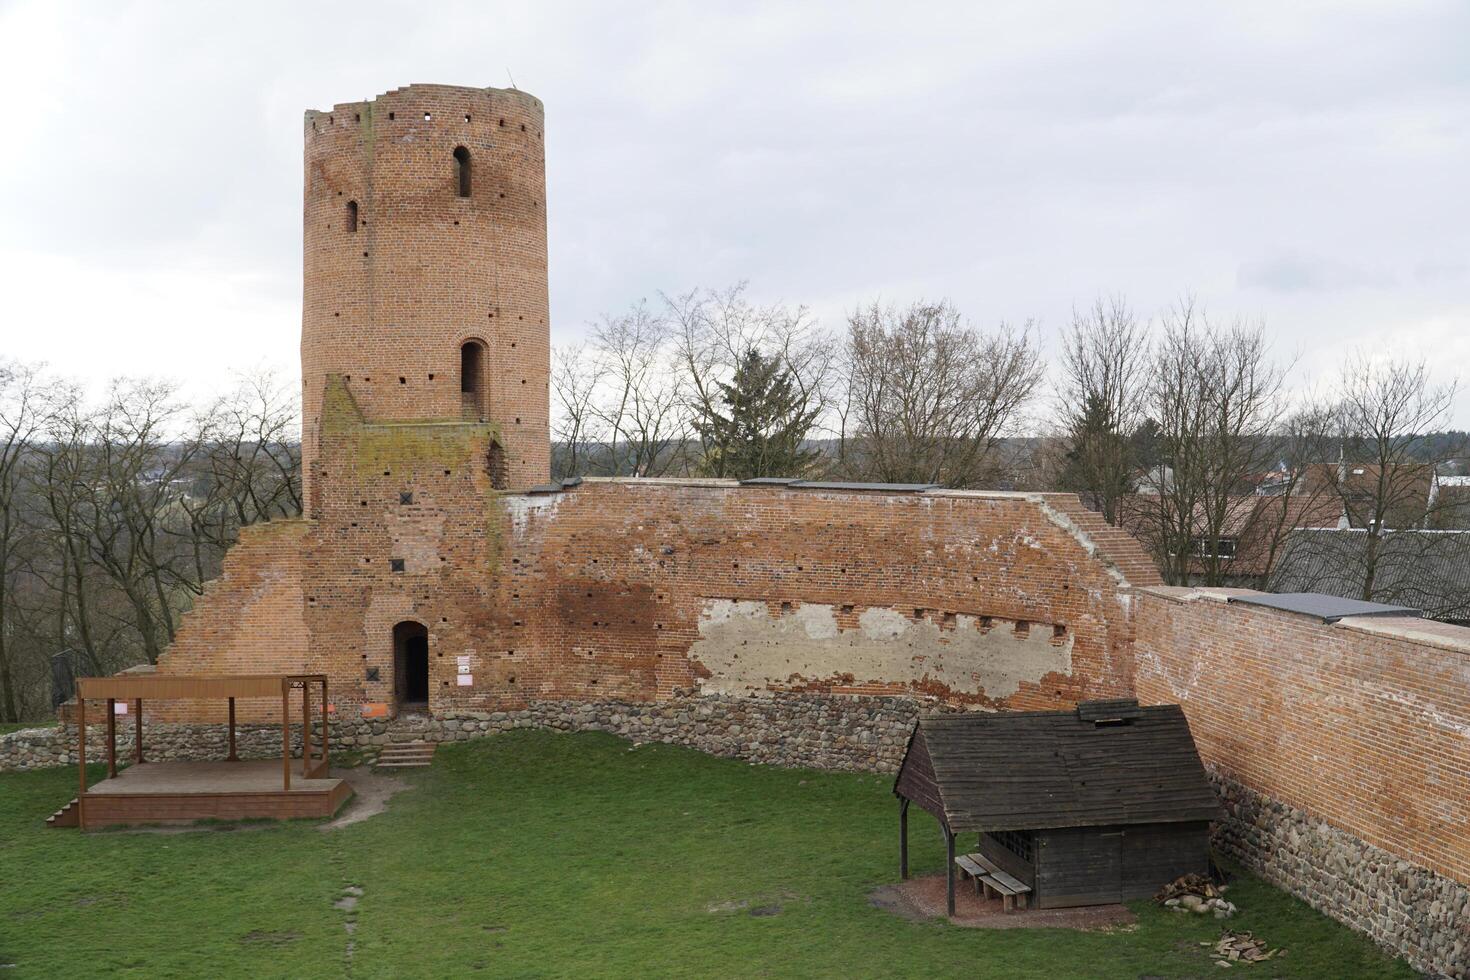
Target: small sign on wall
point(464, 665)
point(465, 680)
point(120, 707)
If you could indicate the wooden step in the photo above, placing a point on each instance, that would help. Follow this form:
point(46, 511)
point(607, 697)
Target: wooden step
point(65, 817)
point(406, 755)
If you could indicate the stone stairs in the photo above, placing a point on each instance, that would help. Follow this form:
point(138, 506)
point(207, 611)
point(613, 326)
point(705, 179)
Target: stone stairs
point(65, 817)
point(406, 755)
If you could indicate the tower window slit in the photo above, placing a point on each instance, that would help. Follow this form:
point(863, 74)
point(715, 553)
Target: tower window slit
point(462, 171)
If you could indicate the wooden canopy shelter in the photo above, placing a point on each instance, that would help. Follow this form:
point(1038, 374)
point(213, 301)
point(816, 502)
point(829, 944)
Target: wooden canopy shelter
point(152, 792)
point(1100, 804)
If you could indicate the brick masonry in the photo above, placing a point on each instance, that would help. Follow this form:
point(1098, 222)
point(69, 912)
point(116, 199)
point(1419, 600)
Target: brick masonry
point(651, 590)
point(1343, 750)
point(387, 307)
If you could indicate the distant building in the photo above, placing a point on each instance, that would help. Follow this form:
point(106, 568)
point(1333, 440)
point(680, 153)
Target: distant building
point(1249, 539)
point(1428, 570)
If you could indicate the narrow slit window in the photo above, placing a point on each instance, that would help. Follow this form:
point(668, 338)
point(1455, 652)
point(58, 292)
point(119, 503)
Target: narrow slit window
point(351, 215)
point(462, 171)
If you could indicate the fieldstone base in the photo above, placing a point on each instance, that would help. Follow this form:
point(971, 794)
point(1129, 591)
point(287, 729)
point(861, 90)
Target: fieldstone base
point(811, 731)
point(865, 734)
point(43, 748)
point(1410, 911)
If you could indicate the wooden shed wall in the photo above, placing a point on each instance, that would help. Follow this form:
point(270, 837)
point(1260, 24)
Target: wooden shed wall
point(1007, 860)
point(1097, 865)
point(916, 780)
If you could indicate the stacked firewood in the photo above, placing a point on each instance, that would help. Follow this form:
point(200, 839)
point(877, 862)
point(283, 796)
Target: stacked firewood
point(1241, 947)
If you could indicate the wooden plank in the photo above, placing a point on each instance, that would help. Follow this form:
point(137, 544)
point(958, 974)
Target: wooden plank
point(111, 737)
point(232, 757)
point(82, 763)
point(186, 686)
point(285, 734)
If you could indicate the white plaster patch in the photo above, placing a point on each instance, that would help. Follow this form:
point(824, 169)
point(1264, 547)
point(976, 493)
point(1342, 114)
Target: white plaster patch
point(521, 506)
point(748, 651)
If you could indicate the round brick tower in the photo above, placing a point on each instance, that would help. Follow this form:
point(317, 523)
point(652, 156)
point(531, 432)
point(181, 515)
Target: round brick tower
point(425, 283)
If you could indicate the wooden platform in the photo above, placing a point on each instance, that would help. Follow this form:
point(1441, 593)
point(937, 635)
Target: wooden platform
point(180, 792)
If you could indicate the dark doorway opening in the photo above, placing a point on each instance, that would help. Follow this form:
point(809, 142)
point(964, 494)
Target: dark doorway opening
point(471, 379)
point(411, 665)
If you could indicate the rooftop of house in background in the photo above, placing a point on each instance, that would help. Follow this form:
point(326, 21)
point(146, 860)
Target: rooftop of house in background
point(1427, 570)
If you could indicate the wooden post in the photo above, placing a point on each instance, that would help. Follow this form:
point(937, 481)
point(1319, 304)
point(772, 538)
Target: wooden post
point(326, 722)
point(286, 735)
point(111, 737)
point(81, 760)
point(949, 870)
point(232, 757)
point(138, 731)
point(305, 729)
point(903, 838)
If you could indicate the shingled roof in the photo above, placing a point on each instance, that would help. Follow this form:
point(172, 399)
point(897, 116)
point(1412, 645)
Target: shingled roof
point(1107, 762)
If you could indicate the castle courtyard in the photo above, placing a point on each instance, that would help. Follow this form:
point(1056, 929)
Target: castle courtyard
point(544, 854)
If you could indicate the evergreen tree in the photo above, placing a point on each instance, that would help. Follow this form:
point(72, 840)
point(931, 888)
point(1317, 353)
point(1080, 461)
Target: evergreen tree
point(765, 420)
point(1100, 464)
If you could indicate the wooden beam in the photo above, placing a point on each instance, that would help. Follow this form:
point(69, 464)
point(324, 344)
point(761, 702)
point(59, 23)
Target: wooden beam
point(81, 762)
point(111, 737)
point(903, 838)
point(949, 870)
point(326, 722)
point(286, 735)
point(305, 731)
point(138, 731)
point(232, 757)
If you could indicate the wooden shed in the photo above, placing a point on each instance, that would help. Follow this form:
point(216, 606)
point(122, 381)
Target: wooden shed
point(1104, 803)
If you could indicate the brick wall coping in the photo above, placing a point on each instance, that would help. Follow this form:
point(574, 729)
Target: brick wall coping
point(425, 88)
point(725, 484)
point(1410, 629)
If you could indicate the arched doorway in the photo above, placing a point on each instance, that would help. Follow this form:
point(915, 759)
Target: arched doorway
point(472, 379)
point(411, 665)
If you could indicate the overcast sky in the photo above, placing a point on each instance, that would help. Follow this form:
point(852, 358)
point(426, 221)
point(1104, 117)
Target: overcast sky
point(1301, 162)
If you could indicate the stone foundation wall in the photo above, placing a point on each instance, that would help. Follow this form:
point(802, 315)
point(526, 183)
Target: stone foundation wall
point(43, 748)
point(1410, 911)
point(865, 734)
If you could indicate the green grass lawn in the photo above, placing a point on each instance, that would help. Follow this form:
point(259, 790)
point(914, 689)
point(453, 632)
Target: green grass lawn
point(541, 854)
point(7, 727)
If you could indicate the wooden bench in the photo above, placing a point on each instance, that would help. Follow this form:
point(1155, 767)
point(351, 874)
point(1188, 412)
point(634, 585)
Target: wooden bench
point(991, 878)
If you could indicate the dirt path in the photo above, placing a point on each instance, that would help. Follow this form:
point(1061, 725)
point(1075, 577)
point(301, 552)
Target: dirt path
point(924, 898)
point(371, 793)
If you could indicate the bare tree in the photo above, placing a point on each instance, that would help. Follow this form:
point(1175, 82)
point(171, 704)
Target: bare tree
point(1101, 396)
point(641, 410)
point(23, 412)
point(245, 468)
point(575, 376)
point(1387, 468)
point(932, 396)
point(1216, 395)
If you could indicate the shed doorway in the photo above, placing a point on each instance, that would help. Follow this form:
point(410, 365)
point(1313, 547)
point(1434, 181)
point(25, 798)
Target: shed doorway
point(411, 666)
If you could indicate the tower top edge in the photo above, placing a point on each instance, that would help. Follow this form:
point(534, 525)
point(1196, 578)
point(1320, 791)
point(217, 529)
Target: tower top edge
point(437, 93)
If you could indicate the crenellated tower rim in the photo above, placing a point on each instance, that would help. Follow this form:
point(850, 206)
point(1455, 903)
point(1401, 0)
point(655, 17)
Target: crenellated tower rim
point(425, 266)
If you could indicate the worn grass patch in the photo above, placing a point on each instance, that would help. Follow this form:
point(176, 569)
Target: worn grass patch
point(540, 854)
